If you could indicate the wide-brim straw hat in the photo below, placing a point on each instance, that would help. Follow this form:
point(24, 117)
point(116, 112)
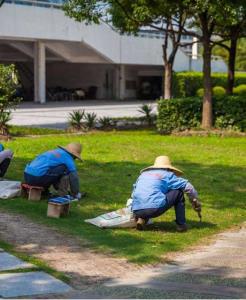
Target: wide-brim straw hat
point(163, 162)
point(74, 149)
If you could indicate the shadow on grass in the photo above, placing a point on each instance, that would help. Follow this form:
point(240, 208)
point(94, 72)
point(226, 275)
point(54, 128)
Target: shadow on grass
point(169, 226)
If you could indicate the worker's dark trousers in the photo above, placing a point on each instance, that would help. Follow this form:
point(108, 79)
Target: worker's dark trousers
point(4, 166)
point(173, 198)
point(52, 177)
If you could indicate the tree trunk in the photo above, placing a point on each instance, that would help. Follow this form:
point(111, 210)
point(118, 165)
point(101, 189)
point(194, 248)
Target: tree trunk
point(168, 81)
point(207, 118)
point(231, 65)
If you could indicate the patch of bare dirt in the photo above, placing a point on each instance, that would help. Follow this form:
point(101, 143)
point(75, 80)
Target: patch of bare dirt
point(212, 132)
point(61, 252)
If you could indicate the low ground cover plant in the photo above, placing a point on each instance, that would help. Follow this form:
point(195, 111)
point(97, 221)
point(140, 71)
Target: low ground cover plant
point(80, 120)
point(147, 111)
point(106, 122)
point(112, 161)
point(90, 120)
point(76, 119)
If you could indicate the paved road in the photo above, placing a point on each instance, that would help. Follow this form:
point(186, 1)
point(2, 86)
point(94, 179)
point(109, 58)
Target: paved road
point(54, 115)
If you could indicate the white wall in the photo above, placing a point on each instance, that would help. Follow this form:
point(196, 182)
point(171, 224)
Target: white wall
point(216, 65)
point(136, 50)
point(21, 22)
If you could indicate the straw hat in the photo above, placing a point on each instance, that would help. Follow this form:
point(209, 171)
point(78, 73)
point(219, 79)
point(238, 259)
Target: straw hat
point(73, 148)
point(163, 162)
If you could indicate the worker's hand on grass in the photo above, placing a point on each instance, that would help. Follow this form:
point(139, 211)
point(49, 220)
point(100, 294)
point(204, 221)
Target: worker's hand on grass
point(197, 206)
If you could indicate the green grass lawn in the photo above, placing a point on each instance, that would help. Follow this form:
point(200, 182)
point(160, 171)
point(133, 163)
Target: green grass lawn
point(111, 165)
point(25, 130)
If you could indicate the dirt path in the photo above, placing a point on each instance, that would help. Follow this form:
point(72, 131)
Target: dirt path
point(61, 252)
point(217, 270)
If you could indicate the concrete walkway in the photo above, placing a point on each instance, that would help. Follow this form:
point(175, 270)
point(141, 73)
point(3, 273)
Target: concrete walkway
point(55, 114)
point(17, 279)
point(214, 271)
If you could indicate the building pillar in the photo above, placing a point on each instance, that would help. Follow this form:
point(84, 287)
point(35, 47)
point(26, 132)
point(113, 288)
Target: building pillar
point(195, 48)
point(39, 72)
point(122, 83)
point(117, 82)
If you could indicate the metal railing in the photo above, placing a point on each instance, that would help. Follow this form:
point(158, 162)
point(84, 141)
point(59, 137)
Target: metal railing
point(40, 3)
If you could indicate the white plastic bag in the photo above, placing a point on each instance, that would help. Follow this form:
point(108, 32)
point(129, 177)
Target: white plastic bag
point(10, 189)
point(122, 218)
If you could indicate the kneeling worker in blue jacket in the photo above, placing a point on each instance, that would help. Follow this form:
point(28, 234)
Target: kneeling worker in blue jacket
point(5, 159)
point(56, 167)
point(160, 187)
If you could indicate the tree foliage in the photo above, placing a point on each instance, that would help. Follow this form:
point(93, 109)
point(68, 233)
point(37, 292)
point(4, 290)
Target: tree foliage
point(8, 95)
point(130, 16)
point(210, 18)
point(240, 63)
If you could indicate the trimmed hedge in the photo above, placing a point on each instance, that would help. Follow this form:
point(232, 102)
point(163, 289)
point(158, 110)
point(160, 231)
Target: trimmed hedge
point(186, 113)
point(186, 84)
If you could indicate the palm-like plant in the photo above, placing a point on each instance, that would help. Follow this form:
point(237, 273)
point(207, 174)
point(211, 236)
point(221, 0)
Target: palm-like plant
point(105, 122)
point(146, 110)
point(75, 119)
point(90, 120)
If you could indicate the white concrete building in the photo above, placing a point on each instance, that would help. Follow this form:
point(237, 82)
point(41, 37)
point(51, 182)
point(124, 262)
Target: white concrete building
point(56, 55)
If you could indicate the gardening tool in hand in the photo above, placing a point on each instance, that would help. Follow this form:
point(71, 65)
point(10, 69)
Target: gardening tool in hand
point(198, 208)
point(199, 215)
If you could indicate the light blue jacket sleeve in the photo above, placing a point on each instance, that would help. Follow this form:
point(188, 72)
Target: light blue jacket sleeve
point(175, 183)
point(133, 189)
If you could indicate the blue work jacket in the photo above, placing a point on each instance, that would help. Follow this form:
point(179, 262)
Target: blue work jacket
point(41, 164)
point(151, 187)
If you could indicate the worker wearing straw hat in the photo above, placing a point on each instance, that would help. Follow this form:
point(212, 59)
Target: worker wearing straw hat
point(57, 168)
point(157, 189)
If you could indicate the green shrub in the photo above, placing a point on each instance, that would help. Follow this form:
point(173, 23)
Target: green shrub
point(229, 112)
point(178, 114)
point(218, 91)
point(186, 84)
point(200, 93)
point(8, 95)
point(5, 117)
point(185, 113)
point(240, 90)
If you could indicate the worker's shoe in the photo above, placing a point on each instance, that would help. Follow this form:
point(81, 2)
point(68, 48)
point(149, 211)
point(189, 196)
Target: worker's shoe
point(140, 224)
point(181, 228)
